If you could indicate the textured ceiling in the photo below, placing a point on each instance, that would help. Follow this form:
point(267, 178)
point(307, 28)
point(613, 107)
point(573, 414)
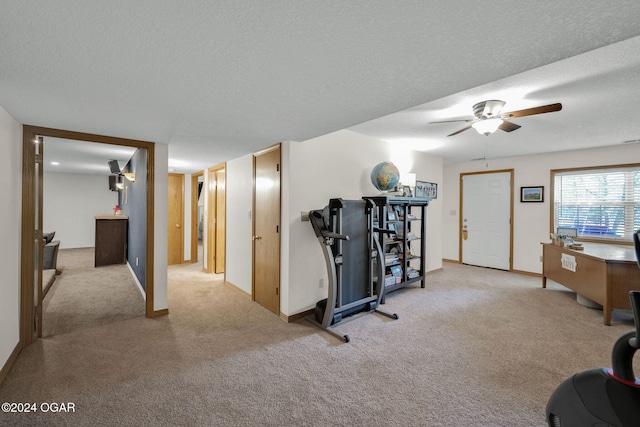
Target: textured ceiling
point(216, 80)
point(599, 91)
point(89, 158)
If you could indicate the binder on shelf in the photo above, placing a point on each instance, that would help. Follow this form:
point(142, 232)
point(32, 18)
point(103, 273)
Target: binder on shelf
point(389, 280)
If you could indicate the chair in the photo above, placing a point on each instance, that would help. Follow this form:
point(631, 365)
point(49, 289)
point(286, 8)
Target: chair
point(50, 255)
point(50, 252)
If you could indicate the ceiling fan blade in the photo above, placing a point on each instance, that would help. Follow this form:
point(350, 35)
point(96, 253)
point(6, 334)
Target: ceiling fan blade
point(452, 121)
point(508, 126)
point(460, 131)
point(532, 111)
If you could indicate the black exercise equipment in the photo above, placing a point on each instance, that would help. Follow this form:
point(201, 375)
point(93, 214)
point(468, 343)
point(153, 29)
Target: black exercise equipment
point(603, 397)
point(355, 267)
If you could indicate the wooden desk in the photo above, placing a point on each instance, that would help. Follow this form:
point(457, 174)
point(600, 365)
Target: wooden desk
point(111, 240)
point(603, 273)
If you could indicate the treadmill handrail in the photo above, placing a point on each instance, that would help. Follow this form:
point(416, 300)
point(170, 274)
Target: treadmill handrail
point(331, 235)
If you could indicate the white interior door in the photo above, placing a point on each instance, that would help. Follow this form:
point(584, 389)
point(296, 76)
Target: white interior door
point(486, 220)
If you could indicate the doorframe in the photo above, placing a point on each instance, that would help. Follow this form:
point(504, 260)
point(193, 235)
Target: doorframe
point(181, 175)
point(278, 147)
point(194, 214)
point(460, 220)
point(27, 295)
point(221, 221)
point(212, 213)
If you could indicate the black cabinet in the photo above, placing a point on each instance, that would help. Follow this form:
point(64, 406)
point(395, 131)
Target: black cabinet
point(402, 229)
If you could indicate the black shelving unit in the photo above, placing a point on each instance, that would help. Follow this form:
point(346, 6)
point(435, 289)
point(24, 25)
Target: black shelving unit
point(401, 223)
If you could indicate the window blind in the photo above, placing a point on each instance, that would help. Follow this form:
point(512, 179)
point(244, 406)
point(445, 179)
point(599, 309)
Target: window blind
point(599, 203)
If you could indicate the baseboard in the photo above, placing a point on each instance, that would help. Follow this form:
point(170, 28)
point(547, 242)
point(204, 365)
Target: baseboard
point(527, 273)
point(10, 361)
point(135, 278)
point(283, 316)
point(297, 316)
point(51, 278)
point(243, 292)
point(157, 313)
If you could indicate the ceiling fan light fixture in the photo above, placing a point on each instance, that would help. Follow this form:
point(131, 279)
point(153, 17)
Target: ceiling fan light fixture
point(488, 126)
point(492, 108)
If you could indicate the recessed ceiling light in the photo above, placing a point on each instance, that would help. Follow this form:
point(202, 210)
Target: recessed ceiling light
point(55, 163)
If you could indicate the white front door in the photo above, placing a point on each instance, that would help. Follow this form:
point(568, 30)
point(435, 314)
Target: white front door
point(486, 219)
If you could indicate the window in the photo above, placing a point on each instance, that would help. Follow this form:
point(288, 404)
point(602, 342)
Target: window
point(602, 204)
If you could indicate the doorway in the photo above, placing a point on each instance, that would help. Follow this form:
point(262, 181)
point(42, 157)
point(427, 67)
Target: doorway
point(216, 219)
point(176, 219)
point(197, 215)
point(266, 228)
point(486, 227)
point(32, 208)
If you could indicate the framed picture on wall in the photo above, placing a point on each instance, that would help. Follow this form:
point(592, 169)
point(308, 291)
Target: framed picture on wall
point(426, 189)
point(532, 194)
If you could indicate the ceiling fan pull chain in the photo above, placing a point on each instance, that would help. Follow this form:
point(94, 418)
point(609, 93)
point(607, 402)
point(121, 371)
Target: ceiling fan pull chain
point(486, 153)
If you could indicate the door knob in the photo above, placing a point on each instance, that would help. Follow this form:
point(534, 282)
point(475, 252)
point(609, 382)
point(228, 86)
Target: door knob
point(257, 237)
point(178, 225)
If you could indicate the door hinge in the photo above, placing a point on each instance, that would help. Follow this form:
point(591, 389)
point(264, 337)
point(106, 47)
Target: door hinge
point(38, 158)
point(276, 291)
point(277, 228)
point(277, 167)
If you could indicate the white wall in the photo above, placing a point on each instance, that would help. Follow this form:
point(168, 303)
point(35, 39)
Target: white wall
point(10, 223)
point(160, 219)
point(71, 202)
point(239, 225)
point(339, 165)
point(314, 171)
point(531, 220)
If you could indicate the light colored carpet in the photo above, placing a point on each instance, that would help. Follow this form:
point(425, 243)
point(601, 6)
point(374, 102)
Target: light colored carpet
point(84, 296)
point(477, 347)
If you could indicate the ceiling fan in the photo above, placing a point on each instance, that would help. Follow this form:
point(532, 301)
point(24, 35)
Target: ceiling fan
point(489, 117)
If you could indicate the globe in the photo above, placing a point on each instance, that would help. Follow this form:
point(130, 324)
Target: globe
point(385, 176)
